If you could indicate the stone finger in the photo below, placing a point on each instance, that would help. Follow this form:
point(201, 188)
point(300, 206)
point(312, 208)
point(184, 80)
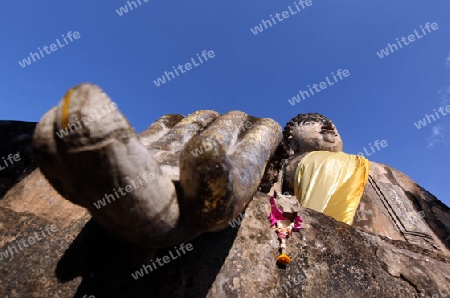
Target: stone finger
point(159, 128)
point(221, 168)
point(91, 155)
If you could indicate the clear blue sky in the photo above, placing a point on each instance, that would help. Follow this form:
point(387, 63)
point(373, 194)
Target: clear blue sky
point(381, 99)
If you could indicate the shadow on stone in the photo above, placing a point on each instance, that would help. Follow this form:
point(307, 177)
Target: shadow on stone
point(106, 263)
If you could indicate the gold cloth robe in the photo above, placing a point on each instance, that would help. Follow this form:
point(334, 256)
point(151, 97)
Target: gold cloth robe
point(331, 183)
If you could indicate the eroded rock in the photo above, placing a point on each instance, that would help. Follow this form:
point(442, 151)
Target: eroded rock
point(328, 258)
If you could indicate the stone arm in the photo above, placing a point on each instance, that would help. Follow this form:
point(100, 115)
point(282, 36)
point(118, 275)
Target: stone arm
point(183, 176)
point(286, 178)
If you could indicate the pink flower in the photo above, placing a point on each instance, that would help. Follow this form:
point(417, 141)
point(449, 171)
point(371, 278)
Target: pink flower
point(297, 223)
point(282, 235)
point(276, 215)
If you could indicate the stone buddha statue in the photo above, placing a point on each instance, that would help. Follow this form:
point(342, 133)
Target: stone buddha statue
point(391, 204)
point(184, 176)
point(181, 177)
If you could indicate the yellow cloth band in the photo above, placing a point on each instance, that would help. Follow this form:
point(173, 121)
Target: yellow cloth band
point(65, 109)
point(332, 183)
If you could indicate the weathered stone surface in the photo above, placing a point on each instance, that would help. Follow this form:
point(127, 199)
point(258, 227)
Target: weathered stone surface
point(394, 206)
point(30, 272)
point(333, 258)
point(328, 258)
point(34, 195)
point(287, 203)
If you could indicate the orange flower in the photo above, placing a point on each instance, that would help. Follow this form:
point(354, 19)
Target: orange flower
point(283, 259)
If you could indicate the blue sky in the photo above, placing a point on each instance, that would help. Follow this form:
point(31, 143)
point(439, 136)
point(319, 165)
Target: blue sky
point(380, 100)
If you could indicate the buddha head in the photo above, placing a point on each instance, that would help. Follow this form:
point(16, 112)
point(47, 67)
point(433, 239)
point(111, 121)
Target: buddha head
point(303, 133)
point(311, 132)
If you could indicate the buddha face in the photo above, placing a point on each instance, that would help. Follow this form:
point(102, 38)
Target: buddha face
point(313, 134)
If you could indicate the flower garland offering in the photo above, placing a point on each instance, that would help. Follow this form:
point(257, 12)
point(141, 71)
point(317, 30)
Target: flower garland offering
point(286, 223)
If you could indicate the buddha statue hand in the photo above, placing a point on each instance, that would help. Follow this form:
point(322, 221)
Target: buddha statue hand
point(181, 177)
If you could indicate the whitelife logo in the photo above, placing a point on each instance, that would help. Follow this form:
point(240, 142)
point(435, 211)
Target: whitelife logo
point(31, 240)
point(124, 9)
point(377, 144)
point(10, 157)
point(322, 85)
point(165, 259)
point(109, 107)
point(53, 48)
point(422, 123)
point(285, 14)
point(411, 38)
point(129, 188)
point(187, 66)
